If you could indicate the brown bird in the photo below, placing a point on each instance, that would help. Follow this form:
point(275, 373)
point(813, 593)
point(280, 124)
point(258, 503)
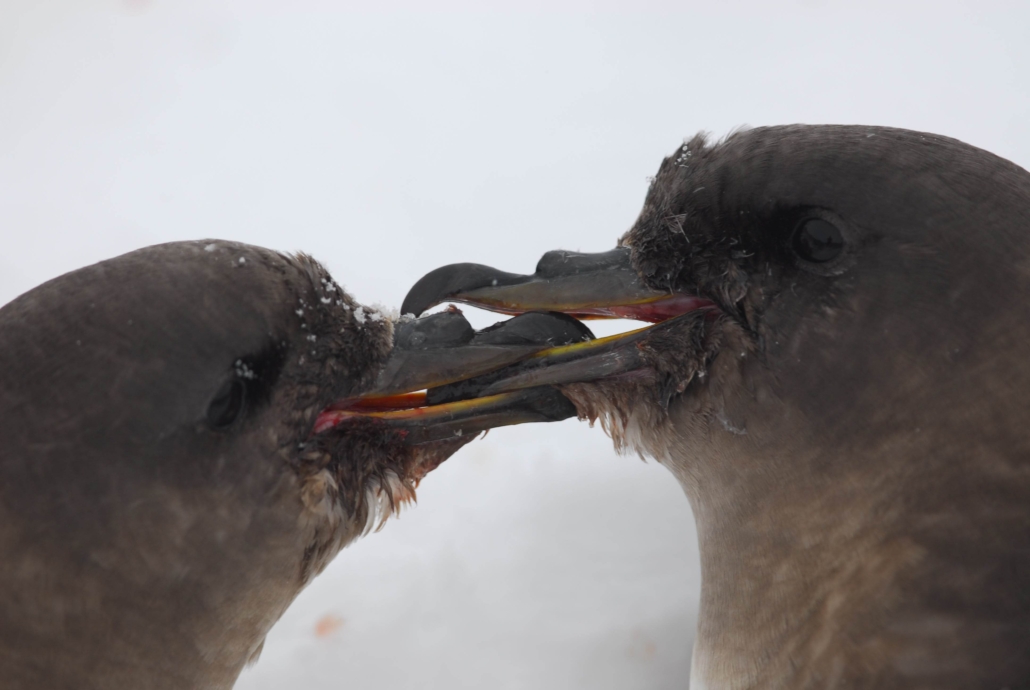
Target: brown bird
point(838, 380)
point(182, 449)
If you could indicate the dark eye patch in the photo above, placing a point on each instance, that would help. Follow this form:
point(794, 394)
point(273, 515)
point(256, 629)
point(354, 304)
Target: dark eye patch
point(250, 385)
point(228, 404)
point(817, 241)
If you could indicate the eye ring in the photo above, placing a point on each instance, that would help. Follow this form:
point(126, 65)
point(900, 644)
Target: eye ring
point(228, 404)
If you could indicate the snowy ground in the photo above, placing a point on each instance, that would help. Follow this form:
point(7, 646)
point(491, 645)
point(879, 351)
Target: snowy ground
point(387, 143)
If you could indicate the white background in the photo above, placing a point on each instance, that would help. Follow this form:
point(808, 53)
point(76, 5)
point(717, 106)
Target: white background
point(389, 140)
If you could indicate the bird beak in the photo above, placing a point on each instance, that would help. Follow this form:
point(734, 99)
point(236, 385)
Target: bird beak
point(586, 286)
point(426, 424)
point(444, 380)
point(616, 355)
point(443, 349)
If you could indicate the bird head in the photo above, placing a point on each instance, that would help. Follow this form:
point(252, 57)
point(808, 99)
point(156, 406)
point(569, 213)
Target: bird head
point(819, 295)
point(192, 431)
point(835, 373)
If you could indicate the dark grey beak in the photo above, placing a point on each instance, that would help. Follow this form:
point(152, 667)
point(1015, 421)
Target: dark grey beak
point(441, 349)
point(456, 419)
point(603, 285)
point(443, 379)
point(615, 355)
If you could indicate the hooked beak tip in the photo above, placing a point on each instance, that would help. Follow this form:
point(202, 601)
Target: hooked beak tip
point(586, 286)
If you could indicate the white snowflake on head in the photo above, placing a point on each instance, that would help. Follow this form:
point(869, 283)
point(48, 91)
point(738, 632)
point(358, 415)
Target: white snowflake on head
point(684, 156)
point(244, 371)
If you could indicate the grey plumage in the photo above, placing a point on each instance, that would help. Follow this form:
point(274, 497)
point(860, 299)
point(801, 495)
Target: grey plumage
point(141, 547)
point(858, 454)
point(847, 414)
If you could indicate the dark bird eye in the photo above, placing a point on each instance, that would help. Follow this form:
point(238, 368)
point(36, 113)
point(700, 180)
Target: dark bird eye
point(817, 240)
point(227, 404)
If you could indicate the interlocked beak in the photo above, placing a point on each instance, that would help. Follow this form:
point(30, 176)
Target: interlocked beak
point(445, 379)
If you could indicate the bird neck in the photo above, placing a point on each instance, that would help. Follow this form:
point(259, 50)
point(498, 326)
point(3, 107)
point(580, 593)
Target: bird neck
point(150, 605)
point(848, 575)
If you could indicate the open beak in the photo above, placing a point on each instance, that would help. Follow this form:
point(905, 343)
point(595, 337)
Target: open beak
point(586, 286)
point(603, 285)
point(445, 380)
point(614, 356)
point(442, 349)
point(431, 423)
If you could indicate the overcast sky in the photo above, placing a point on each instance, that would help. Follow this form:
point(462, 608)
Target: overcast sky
point(388, 142)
